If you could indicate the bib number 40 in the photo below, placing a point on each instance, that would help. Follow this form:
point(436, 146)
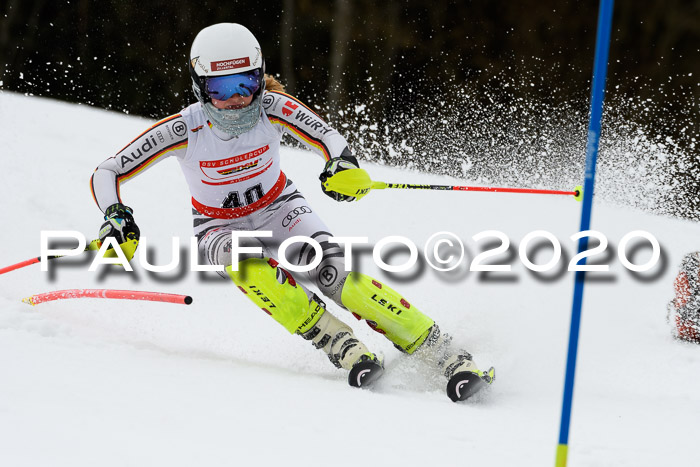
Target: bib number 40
point(251, 195)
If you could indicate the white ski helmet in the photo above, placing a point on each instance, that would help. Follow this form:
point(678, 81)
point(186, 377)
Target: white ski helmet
point(228, 50)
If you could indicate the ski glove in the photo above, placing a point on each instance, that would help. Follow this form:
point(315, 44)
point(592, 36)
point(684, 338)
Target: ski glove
point(345, 161)
point(119, 224)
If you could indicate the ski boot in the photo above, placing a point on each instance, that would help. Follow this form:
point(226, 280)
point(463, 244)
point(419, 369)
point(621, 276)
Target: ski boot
point(464, 378)
point(344, 350)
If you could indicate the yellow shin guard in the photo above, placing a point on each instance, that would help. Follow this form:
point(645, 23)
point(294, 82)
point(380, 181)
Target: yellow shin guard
point(386, 311)
point(283, 299)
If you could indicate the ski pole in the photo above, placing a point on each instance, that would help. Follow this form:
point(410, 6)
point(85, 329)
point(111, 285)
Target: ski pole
point(357, 183)
point(106, 293)
point(383, 185)
point(93, 245)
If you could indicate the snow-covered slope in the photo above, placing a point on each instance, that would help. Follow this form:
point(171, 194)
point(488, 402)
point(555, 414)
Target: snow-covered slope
point(114, 383)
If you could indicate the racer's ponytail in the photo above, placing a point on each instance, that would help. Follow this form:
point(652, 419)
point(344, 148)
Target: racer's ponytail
point(271, 84)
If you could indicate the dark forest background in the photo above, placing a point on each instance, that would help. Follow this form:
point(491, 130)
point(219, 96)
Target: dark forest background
point(361, 63)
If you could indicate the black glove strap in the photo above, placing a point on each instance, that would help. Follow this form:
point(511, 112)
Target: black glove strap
point(117, 210)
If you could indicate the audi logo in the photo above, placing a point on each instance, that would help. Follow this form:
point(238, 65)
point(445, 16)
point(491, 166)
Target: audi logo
point(293, 214)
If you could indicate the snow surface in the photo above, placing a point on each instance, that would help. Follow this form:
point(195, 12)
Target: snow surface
point(115, 383)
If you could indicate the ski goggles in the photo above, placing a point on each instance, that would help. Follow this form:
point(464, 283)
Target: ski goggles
point(223, 87)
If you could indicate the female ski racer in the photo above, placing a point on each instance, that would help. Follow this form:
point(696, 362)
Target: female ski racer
point(228, 147)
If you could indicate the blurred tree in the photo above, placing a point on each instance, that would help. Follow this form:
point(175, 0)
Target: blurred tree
point(286, 44)
point(341, 25)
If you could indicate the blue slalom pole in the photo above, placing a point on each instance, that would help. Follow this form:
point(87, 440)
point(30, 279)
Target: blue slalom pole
point(597, 95)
